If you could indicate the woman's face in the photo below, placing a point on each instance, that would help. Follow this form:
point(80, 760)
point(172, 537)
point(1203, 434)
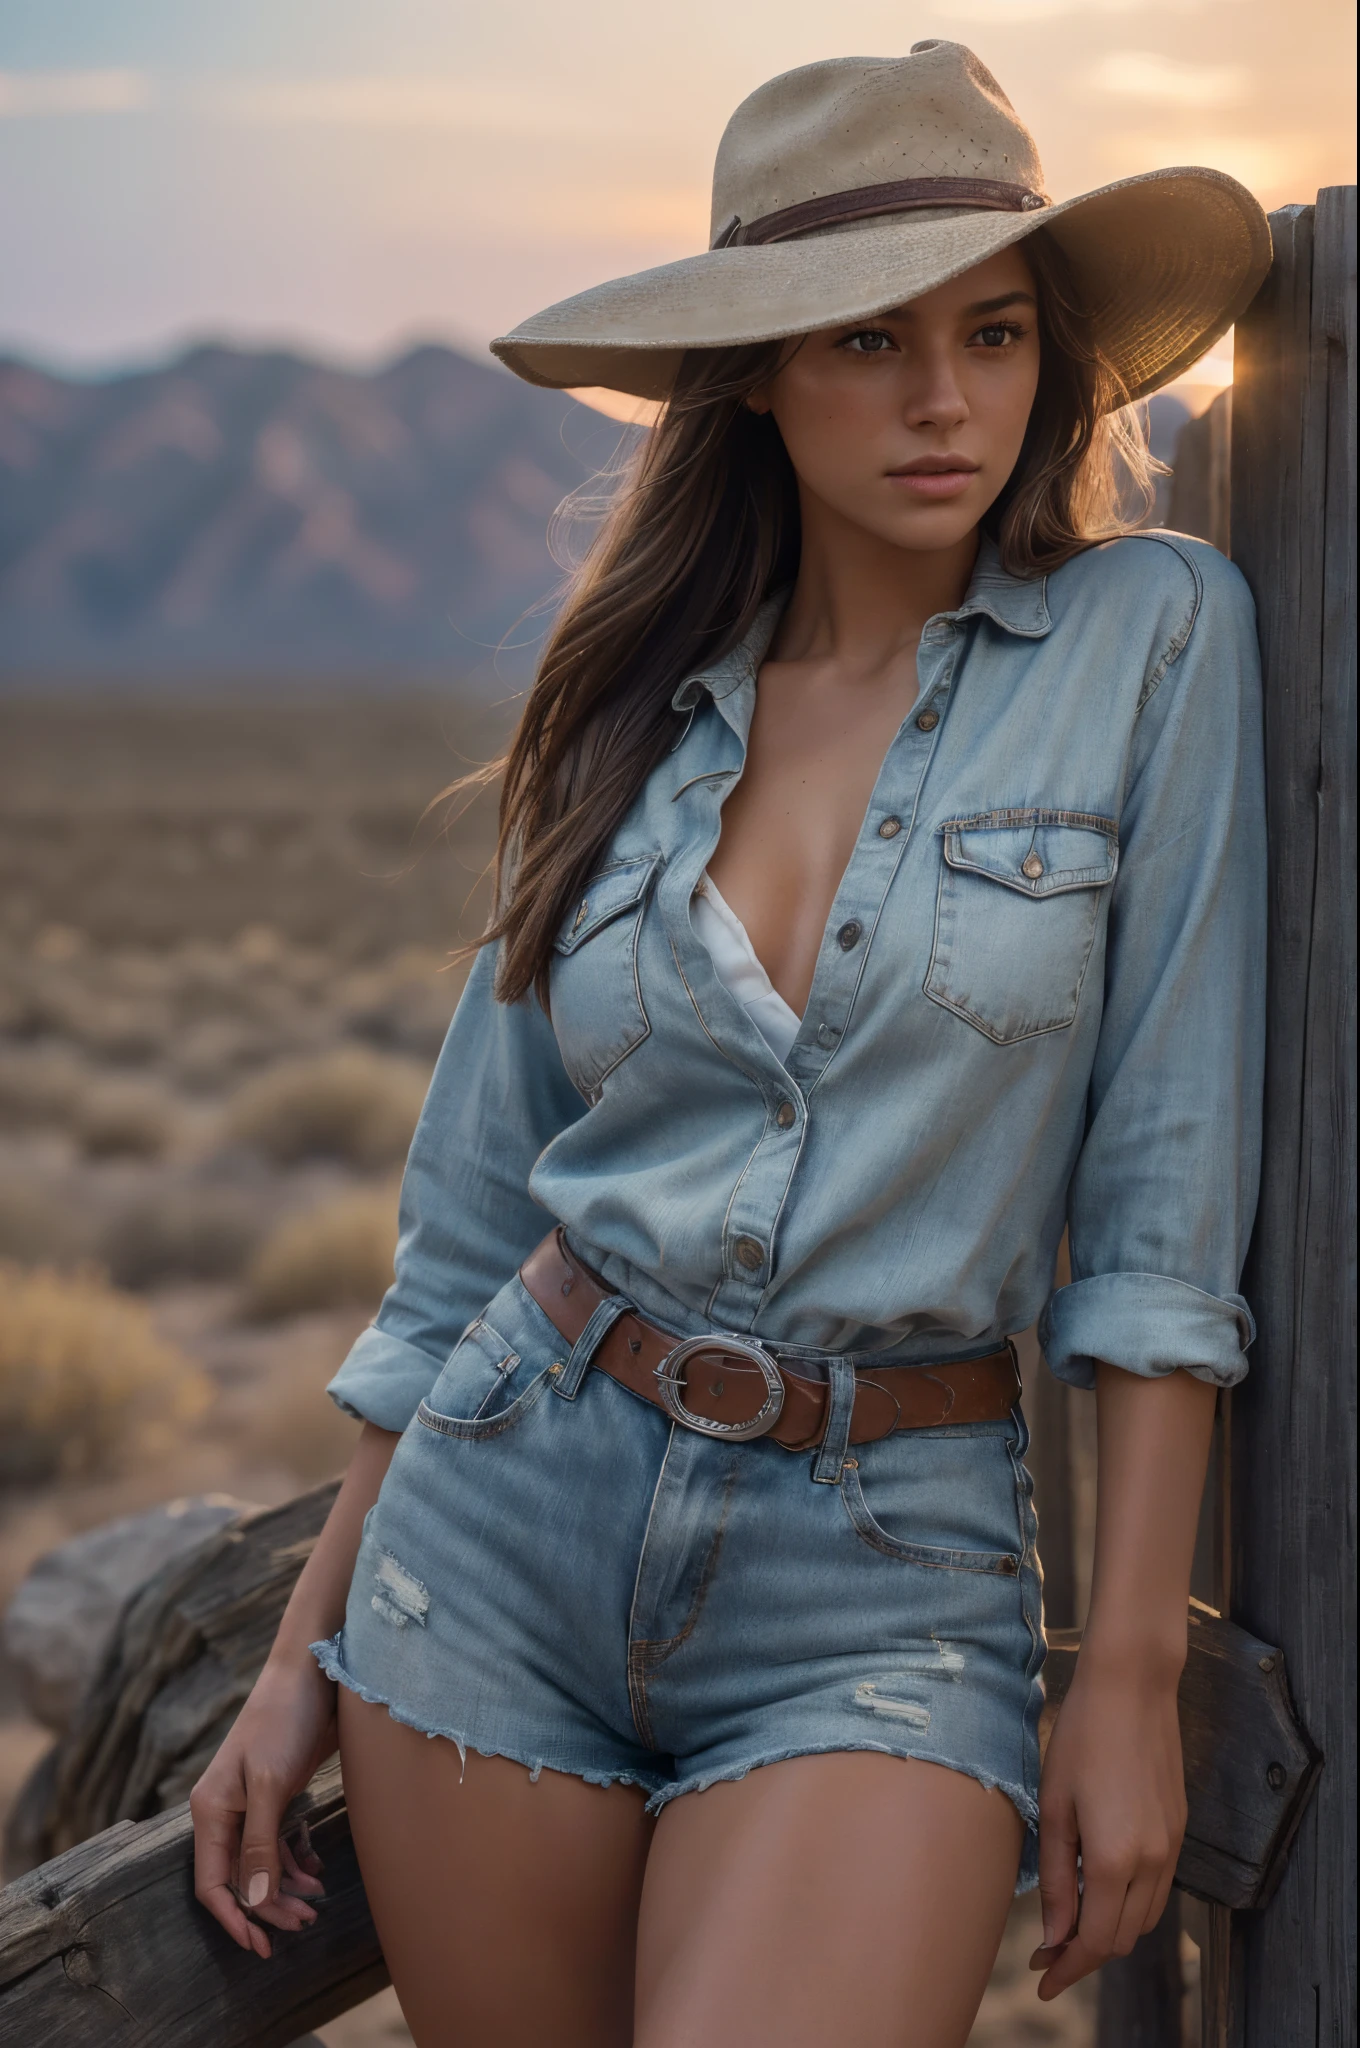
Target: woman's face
point(909, 424)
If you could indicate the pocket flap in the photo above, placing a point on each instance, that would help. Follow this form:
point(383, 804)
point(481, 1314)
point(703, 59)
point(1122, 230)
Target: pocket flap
point(1037, 852)
point(607, 895)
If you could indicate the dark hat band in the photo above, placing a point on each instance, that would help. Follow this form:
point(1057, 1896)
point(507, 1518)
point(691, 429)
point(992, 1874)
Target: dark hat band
point(907, 195)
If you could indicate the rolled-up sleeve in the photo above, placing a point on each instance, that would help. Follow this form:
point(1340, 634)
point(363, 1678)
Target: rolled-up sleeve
point(499, 1095)
point(1163, 1196)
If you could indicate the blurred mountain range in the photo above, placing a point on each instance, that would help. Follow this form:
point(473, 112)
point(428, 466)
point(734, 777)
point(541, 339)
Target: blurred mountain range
point(238, 512)
point(241, 513)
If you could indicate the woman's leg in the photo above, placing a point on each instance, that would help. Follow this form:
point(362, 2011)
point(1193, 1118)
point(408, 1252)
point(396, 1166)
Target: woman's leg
point(507, 1910)
point(853, 1898)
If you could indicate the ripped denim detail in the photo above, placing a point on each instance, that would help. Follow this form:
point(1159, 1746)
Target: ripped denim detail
point(399, 1596)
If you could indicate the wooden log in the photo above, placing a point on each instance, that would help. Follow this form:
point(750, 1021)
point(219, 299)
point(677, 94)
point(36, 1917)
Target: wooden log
point(185, 1654)
point(1249, 1766)
point(107, 1943)
point(1290, 1975)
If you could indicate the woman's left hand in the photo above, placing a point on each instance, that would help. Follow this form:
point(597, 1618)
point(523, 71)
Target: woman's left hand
point(1113, 1788)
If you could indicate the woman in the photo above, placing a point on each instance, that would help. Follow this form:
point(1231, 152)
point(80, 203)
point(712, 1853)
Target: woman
point(880, 890)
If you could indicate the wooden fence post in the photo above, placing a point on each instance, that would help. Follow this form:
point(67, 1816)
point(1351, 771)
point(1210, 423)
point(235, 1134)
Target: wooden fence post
point(1286, 1975)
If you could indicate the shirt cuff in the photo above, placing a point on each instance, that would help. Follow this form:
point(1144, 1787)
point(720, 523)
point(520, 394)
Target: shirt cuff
point(384, 1380)
point(1147, 1324)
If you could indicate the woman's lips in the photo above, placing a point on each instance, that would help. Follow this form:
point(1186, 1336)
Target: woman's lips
point(932, 483)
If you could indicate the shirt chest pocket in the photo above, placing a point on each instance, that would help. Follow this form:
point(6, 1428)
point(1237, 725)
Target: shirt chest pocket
point(1019, 905)
point(597, 1009)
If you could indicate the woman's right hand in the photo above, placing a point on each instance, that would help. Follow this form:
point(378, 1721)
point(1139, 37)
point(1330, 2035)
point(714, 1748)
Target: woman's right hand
point(243, 1873)
point(285, 1730)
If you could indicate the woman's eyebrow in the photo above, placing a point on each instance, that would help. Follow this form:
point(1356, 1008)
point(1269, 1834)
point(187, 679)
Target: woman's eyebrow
point(995, 305)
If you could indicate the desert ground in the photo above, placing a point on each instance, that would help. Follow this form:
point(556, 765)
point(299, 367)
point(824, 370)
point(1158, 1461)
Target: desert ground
point(225, 940)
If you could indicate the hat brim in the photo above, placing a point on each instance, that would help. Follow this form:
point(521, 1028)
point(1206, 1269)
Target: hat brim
point(1167, 262)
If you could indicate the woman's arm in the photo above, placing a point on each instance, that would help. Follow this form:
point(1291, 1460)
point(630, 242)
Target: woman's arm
point(285, 1730)
point(498, 1096)
point(1113, 1782)
point(1159, 1209)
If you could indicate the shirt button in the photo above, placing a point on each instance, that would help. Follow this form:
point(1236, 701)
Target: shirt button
point(849, 935)
point(786, 1116)
point(749, 1253)
point(890, 828)
point(827, 1035)
point(1032, 866)
point(927, 721)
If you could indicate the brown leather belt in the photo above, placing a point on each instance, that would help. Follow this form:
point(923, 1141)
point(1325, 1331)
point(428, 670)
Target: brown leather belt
point(734, 1387)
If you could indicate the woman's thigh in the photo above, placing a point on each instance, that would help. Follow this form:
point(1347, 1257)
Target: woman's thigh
point(849, 1897)
point(506, 1909)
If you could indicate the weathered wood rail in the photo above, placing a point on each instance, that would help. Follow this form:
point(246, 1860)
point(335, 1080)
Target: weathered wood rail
point(107, 1944)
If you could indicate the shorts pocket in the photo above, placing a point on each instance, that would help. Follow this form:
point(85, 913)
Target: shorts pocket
point(478, 1393)
point(944, 1499)
point(598, 1013)
point(1016, 915)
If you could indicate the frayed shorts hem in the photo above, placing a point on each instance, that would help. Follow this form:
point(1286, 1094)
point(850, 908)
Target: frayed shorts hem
point(1019, 1798)
point(327, 1655)
point(661, 1791)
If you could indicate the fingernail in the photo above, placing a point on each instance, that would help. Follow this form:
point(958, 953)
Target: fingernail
point(1050, 1930)
point(259, 1888)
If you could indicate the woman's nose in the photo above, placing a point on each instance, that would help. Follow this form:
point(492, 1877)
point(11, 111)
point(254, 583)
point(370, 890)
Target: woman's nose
point(934, 397)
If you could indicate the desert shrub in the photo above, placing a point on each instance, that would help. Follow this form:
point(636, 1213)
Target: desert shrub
point(37, 1229)
point(124, 1119)
point(351, 1105)
point(38, 1087)
point(404, 1004)
point(297, 1426)
point(83, 1376)
point(340, 1252)
point(210, 1054)
point(182, 1234)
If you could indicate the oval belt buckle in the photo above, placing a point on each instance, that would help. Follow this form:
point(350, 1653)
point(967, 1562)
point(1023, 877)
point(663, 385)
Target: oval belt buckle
point(670, 1378)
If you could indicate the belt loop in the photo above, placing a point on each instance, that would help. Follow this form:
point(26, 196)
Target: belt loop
point(568, 1381)
point(840, 1407)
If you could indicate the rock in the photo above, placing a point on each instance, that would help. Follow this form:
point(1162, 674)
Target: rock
point(60, 1621)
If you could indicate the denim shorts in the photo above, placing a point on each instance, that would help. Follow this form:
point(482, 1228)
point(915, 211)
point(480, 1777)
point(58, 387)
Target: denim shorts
point(556, 1573)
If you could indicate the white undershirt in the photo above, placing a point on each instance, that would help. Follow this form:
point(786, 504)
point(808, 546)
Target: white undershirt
point(738, 969)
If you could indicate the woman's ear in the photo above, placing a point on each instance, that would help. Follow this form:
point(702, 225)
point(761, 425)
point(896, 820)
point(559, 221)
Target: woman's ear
point(758, 401)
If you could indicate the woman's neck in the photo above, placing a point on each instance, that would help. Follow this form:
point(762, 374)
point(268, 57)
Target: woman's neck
point(861, 601)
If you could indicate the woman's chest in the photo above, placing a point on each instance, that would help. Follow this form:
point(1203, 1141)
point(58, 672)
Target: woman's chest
point(790, 823)
point(965, 911)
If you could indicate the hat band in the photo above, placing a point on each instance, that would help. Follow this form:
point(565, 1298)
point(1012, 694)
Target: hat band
point(906, 195)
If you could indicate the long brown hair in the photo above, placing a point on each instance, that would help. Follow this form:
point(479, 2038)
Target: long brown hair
point(702, 528)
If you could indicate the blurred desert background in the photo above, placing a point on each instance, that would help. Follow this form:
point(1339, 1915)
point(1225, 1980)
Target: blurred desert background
point(274, 561)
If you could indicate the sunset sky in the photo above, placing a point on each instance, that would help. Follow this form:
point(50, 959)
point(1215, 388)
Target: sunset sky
point(348, 177)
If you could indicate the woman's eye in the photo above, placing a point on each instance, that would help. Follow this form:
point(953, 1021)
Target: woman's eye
point(998, 333)
point(870, 341)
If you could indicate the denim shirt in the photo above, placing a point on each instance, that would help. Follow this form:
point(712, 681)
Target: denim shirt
point(1039, 1000)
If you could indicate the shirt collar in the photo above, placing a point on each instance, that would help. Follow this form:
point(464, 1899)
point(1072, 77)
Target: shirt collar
point(738, 667)
point(1019, 604)
point(1016, 603)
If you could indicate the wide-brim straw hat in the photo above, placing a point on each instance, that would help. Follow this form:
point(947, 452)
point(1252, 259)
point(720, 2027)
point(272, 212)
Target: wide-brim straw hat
point(845, 188)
